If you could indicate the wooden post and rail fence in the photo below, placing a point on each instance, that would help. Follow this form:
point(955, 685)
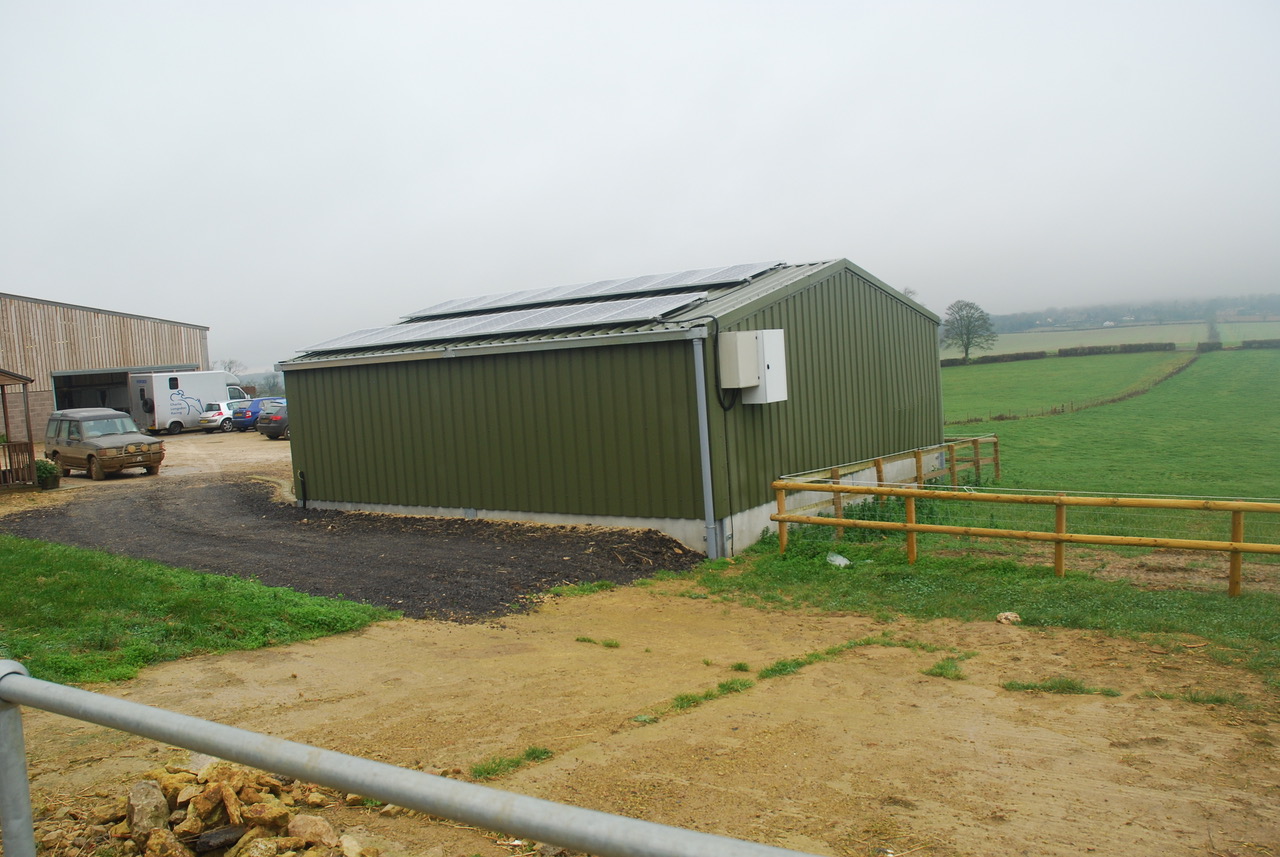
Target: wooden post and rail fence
point(1060, 537)
point(961, 455)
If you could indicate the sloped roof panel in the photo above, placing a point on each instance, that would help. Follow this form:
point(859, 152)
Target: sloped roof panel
point(514, 321)
point(685, 280)
point(725, 302)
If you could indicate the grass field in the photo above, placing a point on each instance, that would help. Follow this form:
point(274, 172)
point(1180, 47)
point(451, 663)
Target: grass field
point(72, 615)
point(1211, 430)
point(1183, 334)
point(1037, 386)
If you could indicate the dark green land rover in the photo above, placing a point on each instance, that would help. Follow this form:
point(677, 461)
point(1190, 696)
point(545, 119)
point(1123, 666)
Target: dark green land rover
point(99, 441)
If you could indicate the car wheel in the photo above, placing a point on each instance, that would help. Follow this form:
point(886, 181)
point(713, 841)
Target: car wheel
point(286, 434)
point(96, 473)
point(153, 469)
point(176, 427)
point(226, 425)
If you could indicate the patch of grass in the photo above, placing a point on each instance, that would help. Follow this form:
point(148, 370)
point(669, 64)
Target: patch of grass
point(663, 575)
point(948, 668)
point(573, 590)
point(740, 667)
point(685, 701)
point(735, 685)
point(1202, 697)
point(1059, 684)
point(645, 718)
point(706, 662)
point(977, 588)
point(498, 766)
point(788, 666)
point(72, 615)
point(610, 644)
point(585, 640)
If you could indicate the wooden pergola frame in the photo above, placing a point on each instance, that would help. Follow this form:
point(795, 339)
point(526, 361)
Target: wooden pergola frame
point(17, 458)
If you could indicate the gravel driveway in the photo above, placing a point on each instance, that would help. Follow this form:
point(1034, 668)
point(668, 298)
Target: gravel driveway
point(208, 512)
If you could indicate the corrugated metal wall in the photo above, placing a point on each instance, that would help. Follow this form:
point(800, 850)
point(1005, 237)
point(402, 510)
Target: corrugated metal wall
point(594, 431)
point(38, 338)
point(863, 380)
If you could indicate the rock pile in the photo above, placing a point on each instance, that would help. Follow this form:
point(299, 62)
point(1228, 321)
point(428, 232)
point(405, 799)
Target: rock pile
point(219, 810)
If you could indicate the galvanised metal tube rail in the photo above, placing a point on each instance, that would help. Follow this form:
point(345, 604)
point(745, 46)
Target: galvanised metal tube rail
point(571, 827)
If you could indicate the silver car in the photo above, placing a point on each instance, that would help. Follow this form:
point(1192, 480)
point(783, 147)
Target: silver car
point(99, 441)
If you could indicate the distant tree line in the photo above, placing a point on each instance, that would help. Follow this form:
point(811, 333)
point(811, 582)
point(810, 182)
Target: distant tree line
point(1153, 312)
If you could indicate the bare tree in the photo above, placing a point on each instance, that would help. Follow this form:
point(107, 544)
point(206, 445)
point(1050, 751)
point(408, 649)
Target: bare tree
point(235, 367)
point(967, 327)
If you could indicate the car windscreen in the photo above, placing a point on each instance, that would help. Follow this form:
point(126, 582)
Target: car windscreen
point(213, 406)
point(108, 425)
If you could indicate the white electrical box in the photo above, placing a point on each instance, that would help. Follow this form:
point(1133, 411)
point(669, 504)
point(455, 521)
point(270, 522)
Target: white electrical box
point(754, 361)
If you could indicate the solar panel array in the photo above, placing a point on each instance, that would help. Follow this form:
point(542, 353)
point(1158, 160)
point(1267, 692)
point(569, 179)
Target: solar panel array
point(602, 289)
point(514, 321)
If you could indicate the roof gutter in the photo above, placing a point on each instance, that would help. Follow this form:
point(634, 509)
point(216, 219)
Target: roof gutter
point(437, 352)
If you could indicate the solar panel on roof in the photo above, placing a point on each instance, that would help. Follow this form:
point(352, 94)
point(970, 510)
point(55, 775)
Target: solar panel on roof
point(515, 321)
point(603, 288)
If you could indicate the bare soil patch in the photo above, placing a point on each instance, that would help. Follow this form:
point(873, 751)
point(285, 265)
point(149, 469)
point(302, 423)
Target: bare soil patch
point(859, 755)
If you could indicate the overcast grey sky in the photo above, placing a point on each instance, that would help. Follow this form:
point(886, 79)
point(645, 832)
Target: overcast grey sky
point(285, 172)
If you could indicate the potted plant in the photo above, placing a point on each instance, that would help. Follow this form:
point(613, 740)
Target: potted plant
point(48, 474)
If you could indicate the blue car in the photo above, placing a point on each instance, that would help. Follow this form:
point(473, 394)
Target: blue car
point(246, 417)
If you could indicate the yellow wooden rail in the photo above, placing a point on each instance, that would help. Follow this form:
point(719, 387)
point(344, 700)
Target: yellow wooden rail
point(1236, 548)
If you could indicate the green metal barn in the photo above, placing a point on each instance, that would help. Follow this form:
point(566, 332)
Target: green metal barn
point(668, 401)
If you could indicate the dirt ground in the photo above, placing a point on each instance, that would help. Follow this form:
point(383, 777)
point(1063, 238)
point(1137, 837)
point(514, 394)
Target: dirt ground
point(862, 754)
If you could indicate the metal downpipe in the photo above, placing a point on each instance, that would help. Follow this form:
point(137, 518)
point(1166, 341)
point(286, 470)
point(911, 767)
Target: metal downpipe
point(704, 448)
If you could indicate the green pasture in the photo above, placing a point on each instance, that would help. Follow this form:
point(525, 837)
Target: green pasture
point(1235, 332)
point(72, 615)
point(1185, 335)
point(981, 391)
point(1210, 430)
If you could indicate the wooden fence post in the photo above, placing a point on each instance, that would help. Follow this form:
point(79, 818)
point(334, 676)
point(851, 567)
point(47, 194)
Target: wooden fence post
point(782, 525)
point(1060, 548)
point(911, 535)
point(977, 461)
point(880, 479)
point(995, 453)
point(951, 464)
point(1237, 535)
point(919, 468)
point(837, 503)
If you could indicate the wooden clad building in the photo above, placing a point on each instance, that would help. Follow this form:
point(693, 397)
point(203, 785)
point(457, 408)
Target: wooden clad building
point(80, 356)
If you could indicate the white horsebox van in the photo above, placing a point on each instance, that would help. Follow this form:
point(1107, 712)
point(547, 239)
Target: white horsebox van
point(172, 401)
